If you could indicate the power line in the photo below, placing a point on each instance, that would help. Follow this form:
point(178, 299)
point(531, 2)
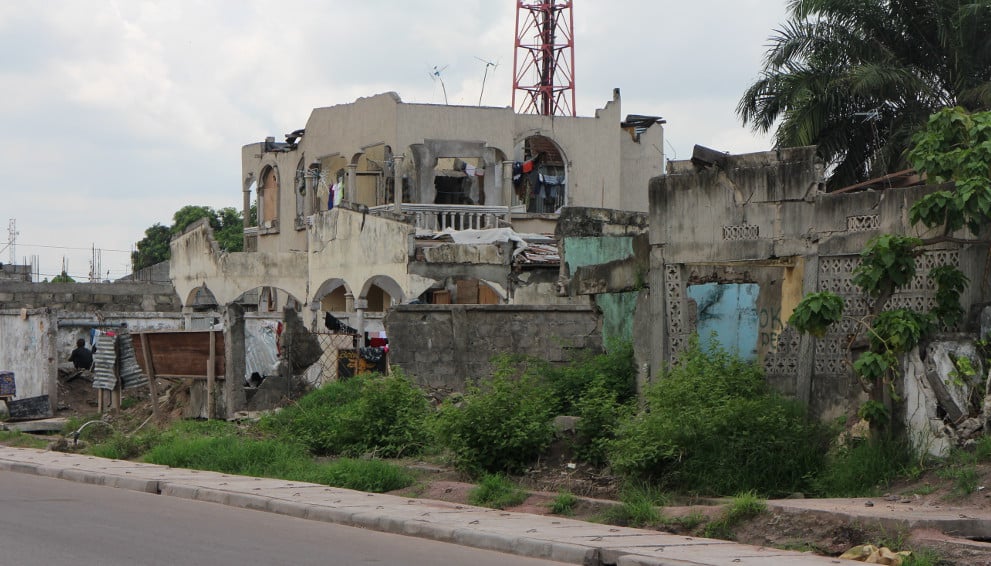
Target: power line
point(65, 247)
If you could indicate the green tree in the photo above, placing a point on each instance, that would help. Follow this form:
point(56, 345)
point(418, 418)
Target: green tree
point(227, 225)
point(63, 278)
point(954, 152)
point(230, 234)
point(858, 78)
point(191, 213)
point(153, 248)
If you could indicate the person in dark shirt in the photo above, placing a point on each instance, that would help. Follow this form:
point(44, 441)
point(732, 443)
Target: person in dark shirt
point(81, 357)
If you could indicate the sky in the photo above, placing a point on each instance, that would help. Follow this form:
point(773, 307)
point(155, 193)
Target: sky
point(117, 113)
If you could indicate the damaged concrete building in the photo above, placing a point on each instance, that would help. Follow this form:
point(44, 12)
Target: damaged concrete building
point(379, 204)
point(736, 241)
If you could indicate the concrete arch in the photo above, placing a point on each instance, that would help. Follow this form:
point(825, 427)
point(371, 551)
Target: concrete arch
point(269, 184)
point(200, 298)
point(332, 288)
point(550, 164)
point(267, 298)
point(385, 284)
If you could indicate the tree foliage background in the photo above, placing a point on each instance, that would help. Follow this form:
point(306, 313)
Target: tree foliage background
point(858, 78)
point(227, 224)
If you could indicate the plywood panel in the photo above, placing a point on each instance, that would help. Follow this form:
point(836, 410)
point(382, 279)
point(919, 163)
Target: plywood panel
point(181, 354)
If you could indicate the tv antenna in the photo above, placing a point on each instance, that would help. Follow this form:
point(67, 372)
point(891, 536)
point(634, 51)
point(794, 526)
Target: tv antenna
point(435, 76)
point(485, 76)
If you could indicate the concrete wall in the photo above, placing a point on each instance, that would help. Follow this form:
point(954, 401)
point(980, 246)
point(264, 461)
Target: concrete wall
point(606, 166)
point(446, 347)
point(30, 351)
point(126, 297)
point(604, 255)
point(762, 219)
point(198, 261)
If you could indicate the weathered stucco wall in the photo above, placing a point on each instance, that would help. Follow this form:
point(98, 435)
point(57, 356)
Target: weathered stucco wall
point(358, 249)
point(197, 261)
point(446, 347)
point(30, 351)
point(761, 219)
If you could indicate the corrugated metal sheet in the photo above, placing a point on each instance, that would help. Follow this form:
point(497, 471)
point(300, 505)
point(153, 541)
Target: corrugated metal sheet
point(130, 372)
point(105, 359)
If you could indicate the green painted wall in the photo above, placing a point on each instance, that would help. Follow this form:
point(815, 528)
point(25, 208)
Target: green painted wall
point(579, 252)
point(617, 315)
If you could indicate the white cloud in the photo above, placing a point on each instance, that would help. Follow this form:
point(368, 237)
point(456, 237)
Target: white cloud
point(118, 113)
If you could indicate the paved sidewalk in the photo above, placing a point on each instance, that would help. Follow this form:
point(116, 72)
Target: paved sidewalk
point(537, 536)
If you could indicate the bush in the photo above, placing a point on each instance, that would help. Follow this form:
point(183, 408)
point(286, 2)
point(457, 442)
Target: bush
point(502, 426)
point(600, 412)
point(711, 426)
point(615, 371)
point(367, 414)
point(497, 492)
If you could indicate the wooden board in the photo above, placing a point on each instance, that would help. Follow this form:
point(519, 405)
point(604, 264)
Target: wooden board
point(181, 354)
point(30, 408)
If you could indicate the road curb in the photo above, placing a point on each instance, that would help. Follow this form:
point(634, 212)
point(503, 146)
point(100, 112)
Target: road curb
point(469, 526)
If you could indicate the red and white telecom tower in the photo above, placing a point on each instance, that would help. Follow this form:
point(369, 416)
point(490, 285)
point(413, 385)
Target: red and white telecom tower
point(544, 59)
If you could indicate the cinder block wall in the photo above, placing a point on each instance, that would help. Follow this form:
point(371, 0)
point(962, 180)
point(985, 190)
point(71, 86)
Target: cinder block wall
point(446, 347)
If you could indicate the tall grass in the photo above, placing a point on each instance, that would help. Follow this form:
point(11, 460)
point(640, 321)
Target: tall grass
point(228, 452)
point(865, 468)
point(496, 491)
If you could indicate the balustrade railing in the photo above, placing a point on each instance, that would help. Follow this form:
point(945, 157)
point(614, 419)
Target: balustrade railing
point(439, 217)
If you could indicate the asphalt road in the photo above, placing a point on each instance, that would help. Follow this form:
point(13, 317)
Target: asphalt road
point(51, 522)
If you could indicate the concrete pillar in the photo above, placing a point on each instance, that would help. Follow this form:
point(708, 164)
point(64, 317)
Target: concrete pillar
point(232, 397)
point(351, 185)
point(359, 308)
point(348, 302)
point(247, 205)
point(507, 184)
point(397, 185)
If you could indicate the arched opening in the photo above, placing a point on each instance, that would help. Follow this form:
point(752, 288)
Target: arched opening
point(540, 175)
point(201, 299)
point(335, 301)
point(381, 292)
point(267, 300)
point(268, 199)
point(378, 299)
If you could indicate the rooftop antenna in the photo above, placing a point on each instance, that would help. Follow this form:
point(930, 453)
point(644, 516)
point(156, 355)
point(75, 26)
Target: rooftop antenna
point(12, 240)
point(435, 76)
point(485, 76)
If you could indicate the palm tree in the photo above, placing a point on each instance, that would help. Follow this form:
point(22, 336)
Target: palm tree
point(858, 77)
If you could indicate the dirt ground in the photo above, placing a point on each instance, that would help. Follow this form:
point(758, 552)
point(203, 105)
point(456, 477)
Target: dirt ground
point(597, 491)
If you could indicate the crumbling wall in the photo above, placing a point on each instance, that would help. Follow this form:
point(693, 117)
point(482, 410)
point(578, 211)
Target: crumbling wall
point(762, 219)
point(605, 255)
point(28, 337)
point(446, 347)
